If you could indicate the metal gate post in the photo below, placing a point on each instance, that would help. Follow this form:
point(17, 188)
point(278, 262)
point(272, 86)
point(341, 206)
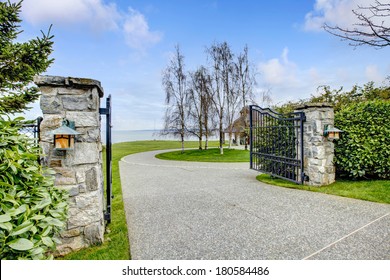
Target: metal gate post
point(107, 111)
point(250, 137)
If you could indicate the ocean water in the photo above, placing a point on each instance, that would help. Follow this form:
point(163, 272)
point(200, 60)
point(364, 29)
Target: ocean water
point(139, 135)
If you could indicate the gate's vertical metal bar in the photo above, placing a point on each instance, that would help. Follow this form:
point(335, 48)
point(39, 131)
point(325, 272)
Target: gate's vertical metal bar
point(250, 137)
point(38, 134)
point(39, 120)
point(302, 119)
point(108, 158)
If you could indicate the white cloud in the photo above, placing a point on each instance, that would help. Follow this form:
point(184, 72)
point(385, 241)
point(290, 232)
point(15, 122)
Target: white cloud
point(373, 74)
point(334, 12)
point(287, 81)
point(278, 71)
point(137, 33)
point(97, 15)
point(94, 13)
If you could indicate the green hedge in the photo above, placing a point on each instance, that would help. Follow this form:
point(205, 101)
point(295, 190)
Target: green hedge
point(364, 148)
point(32, 210)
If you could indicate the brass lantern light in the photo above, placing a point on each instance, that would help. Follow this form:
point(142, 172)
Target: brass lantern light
point(332, 133)
point(64, 136)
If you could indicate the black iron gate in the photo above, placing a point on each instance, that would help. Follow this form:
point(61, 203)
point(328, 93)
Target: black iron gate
point(32, 130)
point(107, 111)
point(276, 143)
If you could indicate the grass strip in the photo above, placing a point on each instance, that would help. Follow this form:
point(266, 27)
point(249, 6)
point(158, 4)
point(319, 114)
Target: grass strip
point(210, 155)
point(370, 190)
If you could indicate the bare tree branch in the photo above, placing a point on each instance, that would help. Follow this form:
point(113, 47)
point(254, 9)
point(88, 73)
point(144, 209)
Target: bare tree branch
point(370, 30)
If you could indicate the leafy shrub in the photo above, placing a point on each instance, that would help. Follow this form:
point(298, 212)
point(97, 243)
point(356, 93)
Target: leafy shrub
point(364, 147)
point(32, 210)
point(339, 99)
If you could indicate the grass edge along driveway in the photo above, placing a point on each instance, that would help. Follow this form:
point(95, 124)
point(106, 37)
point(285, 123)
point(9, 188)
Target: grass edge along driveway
point(370, 190)
point(209, 155)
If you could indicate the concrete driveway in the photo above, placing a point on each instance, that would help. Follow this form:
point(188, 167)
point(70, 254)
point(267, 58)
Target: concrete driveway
point(191, 210)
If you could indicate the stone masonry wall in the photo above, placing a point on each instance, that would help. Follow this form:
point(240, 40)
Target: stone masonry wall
point(318, 150)
point(78, 171)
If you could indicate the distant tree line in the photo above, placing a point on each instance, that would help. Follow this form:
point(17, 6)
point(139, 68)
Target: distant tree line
point(207, 100)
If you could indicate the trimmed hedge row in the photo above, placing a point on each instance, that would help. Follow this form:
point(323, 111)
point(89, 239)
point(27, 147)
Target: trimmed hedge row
point(364, 148)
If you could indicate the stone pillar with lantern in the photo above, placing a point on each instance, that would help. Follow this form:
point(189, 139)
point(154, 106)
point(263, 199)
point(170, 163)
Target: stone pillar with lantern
point(318, 136)
point(71, 142)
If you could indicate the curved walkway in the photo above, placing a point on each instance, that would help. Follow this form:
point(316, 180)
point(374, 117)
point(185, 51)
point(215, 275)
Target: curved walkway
point(192, 210)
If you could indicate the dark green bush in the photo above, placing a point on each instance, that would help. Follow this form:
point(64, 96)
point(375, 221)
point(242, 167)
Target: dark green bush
point(364, 148)
point(32, 210)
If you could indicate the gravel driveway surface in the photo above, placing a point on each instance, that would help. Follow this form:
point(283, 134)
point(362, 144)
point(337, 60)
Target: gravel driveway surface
point(192, 210)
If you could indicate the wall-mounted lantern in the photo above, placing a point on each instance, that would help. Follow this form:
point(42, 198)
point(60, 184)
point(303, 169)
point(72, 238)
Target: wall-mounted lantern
point(64, 136)
point(332, 133)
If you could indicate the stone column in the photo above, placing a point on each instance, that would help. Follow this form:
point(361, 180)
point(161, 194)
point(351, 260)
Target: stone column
point(79, 171)
point(318, 150)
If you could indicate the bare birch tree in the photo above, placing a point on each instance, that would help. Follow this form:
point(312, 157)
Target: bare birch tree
point(200, 110)
point(246, 80)
point(174, 82)
point(221, 58)
point(233, 102)
point(208, 114)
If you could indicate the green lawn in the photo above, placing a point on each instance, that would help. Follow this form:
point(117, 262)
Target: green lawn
point(210, 155)
point(116, 245)
point(371, 190)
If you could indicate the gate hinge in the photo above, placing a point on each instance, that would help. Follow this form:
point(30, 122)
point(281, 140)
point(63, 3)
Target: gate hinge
point(104, 111)
point(304, 177)
point(107, 216)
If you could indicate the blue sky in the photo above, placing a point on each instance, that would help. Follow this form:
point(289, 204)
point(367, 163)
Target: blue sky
point(127, 44)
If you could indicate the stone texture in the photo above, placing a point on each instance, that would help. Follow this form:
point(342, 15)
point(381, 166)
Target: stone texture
point(318, 150)
point(71, 233)
point(75, 103)
point(87, 200)
point(83, 217)
point(84, 153)
point(70, 244)
point(78, 171)
point(88, 134)
point(70, 91)
point(94, 234)
point(65, 176)
point(49, 123)
point(55, 163)
point(73, 190)
point(91, 180)
point(82, 188)
point(83, 119)
point(68, 82)
point(51, 104)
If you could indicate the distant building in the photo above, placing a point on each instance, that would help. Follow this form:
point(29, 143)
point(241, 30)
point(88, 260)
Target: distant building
point(239, 135)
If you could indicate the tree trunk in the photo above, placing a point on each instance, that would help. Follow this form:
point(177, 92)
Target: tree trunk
point(200, 142)
point(220, 137)
point(182, 143)
point(206, 132)
point(200, 132)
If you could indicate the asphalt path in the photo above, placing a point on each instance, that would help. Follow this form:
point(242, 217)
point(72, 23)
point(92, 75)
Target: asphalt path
point(191, 210)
